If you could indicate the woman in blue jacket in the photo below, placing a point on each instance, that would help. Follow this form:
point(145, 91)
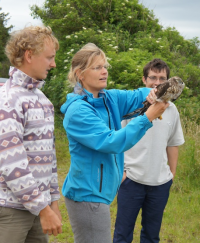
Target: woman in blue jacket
point(96, 142)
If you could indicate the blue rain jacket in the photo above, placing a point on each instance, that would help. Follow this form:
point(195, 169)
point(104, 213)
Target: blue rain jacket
point(97, 142)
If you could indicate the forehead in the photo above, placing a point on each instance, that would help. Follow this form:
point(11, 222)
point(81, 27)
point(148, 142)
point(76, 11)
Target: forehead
point(48, 46)
point(98, 60)
point(156, 72)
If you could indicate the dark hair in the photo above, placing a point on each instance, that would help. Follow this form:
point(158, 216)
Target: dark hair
point(156, 65)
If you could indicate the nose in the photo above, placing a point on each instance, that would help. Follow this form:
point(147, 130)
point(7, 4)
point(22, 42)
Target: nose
point(157, 82)
point(53, 64)
point(104, 70)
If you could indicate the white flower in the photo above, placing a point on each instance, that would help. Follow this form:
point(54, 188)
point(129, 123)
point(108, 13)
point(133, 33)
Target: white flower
point(72, 50)
point(99, 31)
point(76, 36)
point(123, 3)
point(65, 67)
point(157, 41)
point(68, 53)
point(68, 36)
point(111, 82)
point(130, 49)
point(66, 60)
point(130, 17)
point(137, 69)
point(68, 4)
point(65, 16)
point(125, 71)
point(108, 58)
point(159, 38)
point(84, 28)
point(161, 46)
point(110, 45)
point(115, 47)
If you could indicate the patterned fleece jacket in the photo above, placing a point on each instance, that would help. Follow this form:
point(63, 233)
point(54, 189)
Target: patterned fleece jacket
point(28, 168)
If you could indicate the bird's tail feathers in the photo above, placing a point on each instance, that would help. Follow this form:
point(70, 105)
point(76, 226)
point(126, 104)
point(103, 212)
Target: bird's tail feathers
point(139, 111)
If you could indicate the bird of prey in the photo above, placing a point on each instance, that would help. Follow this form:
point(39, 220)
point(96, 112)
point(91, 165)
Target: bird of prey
point(167, 91)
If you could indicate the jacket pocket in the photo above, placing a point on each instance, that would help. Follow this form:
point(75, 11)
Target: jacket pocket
point(101, 178)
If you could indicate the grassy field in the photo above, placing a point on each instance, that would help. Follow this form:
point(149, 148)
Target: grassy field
point(181, 221)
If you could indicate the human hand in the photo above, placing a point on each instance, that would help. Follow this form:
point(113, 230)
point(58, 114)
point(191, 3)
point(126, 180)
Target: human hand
point(55, 208)
point(151, 98)
point(124, 176)
point(156, 110)
point(50, 222)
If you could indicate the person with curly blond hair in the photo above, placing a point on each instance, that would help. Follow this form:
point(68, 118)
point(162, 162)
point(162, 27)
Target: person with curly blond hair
point(29, 190)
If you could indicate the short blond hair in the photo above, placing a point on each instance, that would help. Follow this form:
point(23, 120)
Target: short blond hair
point(30, 38)
point(83, 60)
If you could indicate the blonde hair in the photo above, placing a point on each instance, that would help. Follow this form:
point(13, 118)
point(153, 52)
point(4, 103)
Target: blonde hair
point(83, 60)
point(30, 38)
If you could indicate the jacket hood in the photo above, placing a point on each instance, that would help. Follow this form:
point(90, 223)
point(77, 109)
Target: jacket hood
point(78, 93)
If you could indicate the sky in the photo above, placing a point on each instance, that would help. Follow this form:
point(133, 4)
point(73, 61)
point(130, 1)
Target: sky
point(182, 14)
point(20, 13)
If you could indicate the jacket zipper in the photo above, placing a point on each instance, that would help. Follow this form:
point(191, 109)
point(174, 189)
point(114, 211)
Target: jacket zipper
point(101, 178)
point(110, 128)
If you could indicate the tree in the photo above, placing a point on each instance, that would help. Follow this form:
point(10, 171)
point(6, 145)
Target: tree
point(4, 35)
point(129, 34)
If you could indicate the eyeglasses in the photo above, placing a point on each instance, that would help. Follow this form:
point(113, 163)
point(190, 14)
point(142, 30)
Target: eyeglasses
point(154, 78)
point(99, 68)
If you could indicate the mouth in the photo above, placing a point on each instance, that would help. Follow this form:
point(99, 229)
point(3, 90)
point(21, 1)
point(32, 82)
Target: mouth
point(103, 79)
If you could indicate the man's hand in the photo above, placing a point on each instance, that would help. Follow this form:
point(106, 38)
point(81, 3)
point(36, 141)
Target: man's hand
point(55, 208)
point(124, 176)
point(51, 224)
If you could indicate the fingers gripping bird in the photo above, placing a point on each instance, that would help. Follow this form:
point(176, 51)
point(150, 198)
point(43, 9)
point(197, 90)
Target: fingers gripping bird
point(167, 91)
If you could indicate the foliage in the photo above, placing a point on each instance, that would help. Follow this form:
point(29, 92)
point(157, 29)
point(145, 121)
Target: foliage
point(129, 34)
point(4, 34)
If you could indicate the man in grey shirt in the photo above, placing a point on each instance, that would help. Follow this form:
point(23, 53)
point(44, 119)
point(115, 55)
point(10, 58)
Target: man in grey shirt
point(149, 168)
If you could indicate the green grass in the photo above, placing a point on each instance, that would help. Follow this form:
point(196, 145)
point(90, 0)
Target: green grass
point(181, 220)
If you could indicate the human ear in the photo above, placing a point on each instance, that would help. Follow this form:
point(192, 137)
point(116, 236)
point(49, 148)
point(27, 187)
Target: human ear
point(28, 56)
point(144, 80)
point(80, 75)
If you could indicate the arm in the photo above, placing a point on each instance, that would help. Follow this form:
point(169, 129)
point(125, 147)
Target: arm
point(86, 127)
point(55, 208)
point(50, 219)
point(129, 100)
point(172, 154)
point(14, 166)
point(54, 189)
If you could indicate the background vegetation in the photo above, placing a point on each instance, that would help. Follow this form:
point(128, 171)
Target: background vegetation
point(4, 34)
point(131, 36)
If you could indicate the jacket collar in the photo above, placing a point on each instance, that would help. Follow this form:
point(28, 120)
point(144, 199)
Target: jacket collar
point(78, 89)
point(19, 78)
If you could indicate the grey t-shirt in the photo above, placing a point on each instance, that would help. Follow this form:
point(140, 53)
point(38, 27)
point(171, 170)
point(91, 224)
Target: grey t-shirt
point(147, 161)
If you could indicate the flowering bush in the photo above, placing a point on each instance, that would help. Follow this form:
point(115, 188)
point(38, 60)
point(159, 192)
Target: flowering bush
point(129, 34)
